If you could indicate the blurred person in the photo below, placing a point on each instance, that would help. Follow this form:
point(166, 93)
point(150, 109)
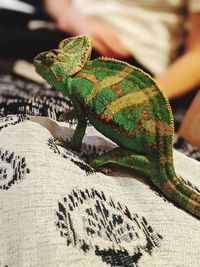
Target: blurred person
point(149, 34)
point(17, 39)
point(153, 32)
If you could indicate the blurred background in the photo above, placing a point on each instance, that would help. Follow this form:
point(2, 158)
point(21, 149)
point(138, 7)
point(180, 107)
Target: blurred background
point(160, 36)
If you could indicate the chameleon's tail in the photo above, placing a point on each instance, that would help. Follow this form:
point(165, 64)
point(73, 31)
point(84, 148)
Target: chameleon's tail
point(180, 193)
point(162, 176)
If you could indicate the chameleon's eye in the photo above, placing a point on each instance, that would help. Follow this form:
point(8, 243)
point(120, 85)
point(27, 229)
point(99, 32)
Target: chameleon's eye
point(50, 57)
point(53, 53)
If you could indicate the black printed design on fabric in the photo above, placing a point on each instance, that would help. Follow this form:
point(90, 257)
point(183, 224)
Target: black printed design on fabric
point(90, 221)
point(19, 96)
point(72, 155)
point(13, 169)
point(6, 121)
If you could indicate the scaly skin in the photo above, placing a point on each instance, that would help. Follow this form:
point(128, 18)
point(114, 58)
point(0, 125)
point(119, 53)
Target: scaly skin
point(126, 105)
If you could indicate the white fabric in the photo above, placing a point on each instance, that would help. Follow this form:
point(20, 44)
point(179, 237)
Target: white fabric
point(17, 6)
point(29, 235)
point(151, 30)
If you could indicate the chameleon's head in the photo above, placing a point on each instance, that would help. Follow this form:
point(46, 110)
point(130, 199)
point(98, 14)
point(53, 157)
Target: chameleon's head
point(59, 64)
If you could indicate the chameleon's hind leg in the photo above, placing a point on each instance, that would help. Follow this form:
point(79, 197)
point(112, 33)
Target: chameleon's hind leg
point(123, 157)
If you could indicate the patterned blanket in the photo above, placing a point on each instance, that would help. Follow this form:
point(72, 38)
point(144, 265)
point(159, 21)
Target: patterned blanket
point(55, 210)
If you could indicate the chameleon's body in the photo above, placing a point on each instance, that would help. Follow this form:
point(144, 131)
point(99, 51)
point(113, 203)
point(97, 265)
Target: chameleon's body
point(124, 104)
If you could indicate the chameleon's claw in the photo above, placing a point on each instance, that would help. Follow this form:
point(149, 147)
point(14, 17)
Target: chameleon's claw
point(61, 142)
point(92, 160)
point(67, 144)
point(105, 170)
point(64, 117)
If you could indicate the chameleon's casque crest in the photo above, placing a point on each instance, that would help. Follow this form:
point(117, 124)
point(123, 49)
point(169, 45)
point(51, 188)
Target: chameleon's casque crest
point(67, 60)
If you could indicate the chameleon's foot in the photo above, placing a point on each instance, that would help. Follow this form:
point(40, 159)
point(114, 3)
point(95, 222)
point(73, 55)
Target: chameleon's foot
point(65, 116)
point(93, 161)
point(105, 170)
point(61, 142)
point(66, 144)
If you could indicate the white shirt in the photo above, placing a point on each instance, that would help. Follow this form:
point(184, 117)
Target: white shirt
point(152, 30)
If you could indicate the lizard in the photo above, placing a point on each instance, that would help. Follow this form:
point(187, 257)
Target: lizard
point(126, 105)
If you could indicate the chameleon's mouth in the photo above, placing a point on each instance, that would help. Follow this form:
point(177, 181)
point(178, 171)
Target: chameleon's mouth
point(41, 55)
point(46, 58)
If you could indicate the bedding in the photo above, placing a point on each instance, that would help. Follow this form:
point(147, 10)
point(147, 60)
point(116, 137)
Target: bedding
point(55, 210)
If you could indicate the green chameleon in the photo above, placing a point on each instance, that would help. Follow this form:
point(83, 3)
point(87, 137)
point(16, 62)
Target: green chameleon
point(124, 104)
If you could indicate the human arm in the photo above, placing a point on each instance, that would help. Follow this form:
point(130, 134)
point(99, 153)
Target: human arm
point(69, 20)
point(184, 74)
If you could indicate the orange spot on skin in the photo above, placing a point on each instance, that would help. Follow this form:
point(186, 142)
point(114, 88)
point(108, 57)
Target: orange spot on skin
point(58, 79)
point(144, 115)
point(116, 88)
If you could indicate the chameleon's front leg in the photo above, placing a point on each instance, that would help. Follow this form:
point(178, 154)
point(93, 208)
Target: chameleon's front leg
point(76, 141)
point(123, 157)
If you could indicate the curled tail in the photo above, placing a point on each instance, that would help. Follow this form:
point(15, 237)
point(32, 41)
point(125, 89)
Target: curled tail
point(180, 193)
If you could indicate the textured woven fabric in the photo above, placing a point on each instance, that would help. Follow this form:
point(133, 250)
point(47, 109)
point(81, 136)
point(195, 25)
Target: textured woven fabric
point(55, 210)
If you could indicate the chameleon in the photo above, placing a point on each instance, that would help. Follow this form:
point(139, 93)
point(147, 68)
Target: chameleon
point(126, 105)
